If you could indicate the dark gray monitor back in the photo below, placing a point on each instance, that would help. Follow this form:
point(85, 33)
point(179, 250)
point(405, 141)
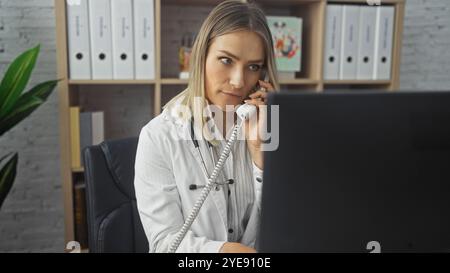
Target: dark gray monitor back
point(354, 171)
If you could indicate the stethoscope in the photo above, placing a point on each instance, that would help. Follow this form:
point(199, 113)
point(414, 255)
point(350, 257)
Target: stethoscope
point(205, 170)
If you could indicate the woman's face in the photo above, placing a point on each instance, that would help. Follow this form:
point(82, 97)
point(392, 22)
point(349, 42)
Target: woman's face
point(233, 67)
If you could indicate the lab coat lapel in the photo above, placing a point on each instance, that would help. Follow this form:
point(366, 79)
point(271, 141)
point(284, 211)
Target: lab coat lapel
point(217, 196)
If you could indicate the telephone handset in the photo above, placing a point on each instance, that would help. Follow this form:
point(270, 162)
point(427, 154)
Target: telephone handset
point(245, 111)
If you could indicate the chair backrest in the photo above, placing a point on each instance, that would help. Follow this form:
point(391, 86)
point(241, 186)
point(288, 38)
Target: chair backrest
point(113, 220)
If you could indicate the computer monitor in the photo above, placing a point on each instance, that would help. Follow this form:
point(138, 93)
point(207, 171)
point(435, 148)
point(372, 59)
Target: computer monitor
point(358, 172)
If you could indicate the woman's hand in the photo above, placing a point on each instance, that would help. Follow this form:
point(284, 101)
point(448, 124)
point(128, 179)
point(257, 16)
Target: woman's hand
point(258, 99)
point(236, 248)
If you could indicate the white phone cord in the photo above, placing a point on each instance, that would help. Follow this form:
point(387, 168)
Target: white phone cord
point(205, 192)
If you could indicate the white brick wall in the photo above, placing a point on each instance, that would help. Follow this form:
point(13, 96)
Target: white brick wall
point(425, 60)
point(31, 219)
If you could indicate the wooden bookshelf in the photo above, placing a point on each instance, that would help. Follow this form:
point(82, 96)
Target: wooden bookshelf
point(156, 92)
point(357, 82)
point(107, 82)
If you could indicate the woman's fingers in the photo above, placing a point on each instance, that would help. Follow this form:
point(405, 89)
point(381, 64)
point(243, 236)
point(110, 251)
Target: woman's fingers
point(262, 92)
point(255, 101)
point(266, 85)
point(259, 97)
point(258, 94)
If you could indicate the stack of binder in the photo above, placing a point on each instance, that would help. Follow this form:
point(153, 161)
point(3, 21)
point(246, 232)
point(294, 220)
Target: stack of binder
point(358, 42)
point(111, 39)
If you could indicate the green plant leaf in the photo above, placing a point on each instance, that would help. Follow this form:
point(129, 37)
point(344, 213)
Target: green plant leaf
point(26, 104)
point(16, 78)
point(7, 176)
point(42, 91)
point(19, 114)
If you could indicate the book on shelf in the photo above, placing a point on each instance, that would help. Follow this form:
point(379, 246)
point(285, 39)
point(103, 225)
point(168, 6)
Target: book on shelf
point(101, 39)
point(287, 39)
point(79, 50)
point(80, 213)
point(75, 137)
point(349, 42)
point(122, 39)
point(87, 129)
point(144, 39)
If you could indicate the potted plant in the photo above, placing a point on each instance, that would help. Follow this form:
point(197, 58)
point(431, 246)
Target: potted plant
point(15, 106)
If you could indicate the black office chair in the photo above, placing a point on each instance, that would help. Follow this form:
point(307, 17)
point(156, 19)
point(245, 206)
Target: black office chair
point(113, 220)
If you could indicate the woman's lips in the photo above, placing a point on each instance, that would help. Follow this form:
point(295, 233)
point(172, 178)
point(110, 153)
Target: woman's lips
point(231, 94)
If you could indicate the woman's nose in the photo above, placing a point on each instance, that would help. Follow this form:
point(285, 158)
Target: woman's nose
point(237, 79)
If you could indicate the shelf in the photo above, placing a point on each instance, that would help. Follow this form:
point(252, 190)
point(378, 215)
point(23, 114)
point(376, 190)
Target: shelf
point(365, 1)
point(215, 2)
point(174, 81)
point(357, 82)
point(284, 3)
point(298, 81)
point(104, 82)
point(283, 81)
point(191, 2)
point(78, 170)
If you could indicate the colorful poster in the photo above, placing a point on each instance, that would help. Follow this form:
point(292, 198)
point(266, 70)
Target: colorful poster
point(287, 36)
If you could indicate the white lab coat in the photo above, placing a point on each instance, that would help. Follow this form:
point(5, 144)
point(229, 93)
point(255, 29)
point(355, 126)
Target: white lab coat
point(165, 167)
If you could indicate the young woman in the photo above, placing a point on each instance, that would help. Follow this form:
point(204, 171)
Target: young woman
point(178, 149)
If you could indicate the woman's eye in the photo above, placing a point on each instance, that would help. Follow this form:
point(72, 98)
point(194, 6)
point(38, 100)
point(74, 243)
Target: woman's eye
point(255, 67)
point(225, 60)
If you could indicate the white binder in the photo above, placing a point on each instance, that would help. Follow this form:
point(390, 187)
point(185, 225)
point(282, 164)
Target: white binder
point(100, 30)
point(383, 44)
point(349, 43)
point(98, 127)
point(144, 35)
point(333, 33)
point(366, 45)
point(78, 40)
point(122, 39)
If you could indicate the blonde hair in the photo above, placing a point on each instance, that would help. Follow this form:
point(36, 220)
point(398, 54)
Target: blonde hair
point(227, 17)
